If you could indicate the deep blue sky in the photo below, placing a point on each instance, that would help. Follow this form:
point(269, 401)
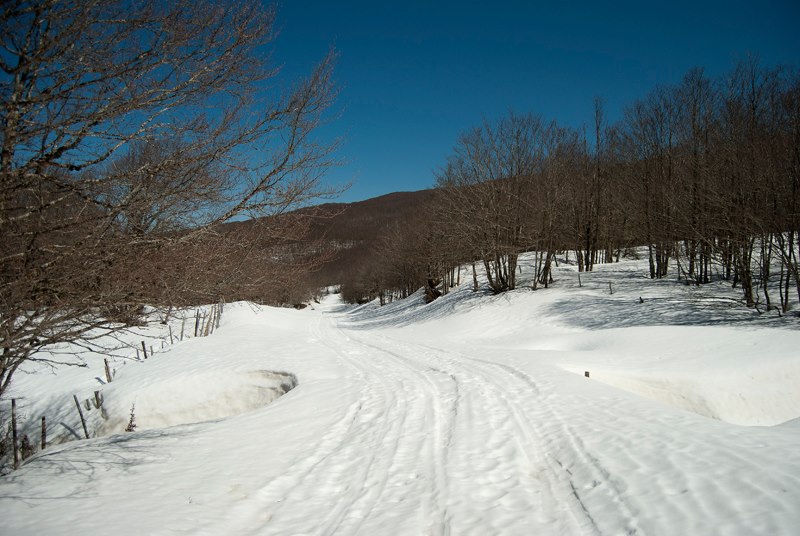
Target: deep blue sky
point(413, 75)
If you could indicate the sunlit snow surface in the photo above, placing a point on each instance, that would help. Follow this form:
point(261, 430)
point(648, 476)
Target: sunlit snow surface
point(470, 415)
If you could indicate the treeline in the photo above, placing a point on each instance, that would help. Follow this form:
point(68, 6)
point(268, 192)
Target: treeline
point(705, 173)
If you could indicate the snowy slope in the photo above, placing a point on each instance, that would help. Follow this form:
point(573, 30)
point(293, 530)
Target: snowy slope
point(470, 415)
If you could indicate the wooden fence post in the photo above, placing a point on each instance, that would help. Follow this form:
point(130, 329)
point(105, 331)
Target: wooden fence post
point(171, 341)
point(196, 321)
point(14, 432)
point(144, 349)
point(80, 412)
point(44, 432)
point(108, 370)
point(183, 325)
point(98, 401)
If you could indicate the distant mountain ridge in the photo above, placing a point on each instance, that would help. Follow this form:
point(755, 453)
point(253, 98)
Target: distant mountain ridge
point(355, 228)
point(364, 220)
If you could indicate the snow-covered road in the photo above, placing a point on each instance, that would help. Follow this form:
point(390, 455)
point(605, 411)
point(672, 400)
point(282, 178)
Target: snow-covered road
point(469, 416)
point(473, 441)
point(433, 444)
point(461, 442)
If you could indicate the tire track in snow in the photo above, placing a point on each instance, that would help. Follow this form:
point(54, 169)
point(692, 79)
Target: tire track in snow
point(268, 502)
point(582, 520)
point(444, 411)
point(325, 479)
point(521, 391)
point(498, 486)
point(437, 443)
point(555, 425)
point(343, 484)
point(389, 448)
point(579, 519)
point(601, 479)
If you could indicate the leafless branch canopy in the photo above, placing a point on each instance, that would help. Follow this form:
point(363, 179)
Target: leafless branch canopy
point(131, 129)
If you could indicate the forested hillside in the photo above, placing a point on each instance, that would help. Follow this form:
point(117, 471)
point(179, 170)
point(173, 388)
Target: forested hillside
point(706, 172)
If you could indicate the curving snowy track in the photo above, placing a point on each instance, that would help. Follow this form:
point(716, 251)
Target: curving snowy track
point(440, 441)
point(433, 445)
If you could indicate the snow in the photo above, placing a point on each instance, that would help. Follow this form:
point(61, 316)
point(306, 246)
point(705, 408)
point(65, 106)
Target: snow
point(470, 415)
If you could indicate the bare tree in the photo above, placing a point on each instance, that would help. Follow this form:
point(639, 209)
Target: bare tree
point(550, 200)
point(787, 237)
point(129, 129)
point(648, 152)
point(491, 175)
